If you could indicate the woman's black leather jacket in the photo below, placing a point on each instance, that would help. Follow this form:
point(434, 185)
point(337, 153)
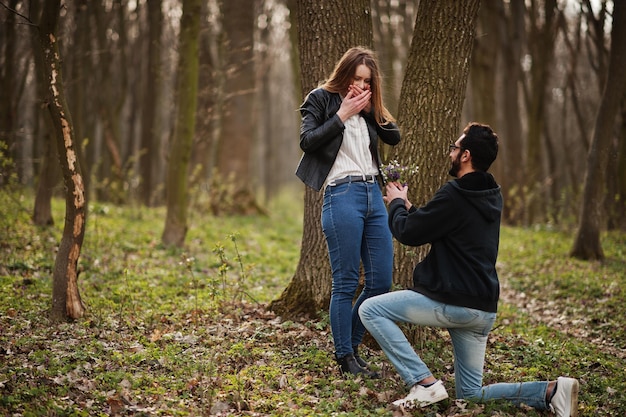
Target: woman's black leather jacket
point(321, 135)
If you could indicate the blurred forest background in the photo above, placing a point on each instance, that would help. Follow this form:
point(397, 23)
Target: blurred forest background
point(538, 71)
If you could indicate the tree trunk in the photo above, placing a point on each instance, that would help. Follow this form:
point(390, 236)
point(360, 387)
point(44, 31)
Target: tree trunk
point(511, 27)
point(210, 99)
point(541, 44)
point(112, 85)
point(481, 100)
point(619, 207)
point(239, 113)
point(48, 178)
point(350, 24)
point(150, 123)
point(432, 98)
point(49, 172)
point(8, 104)
point(66, 300)
point(587, 243)
point(177, 186)
point(483, 64)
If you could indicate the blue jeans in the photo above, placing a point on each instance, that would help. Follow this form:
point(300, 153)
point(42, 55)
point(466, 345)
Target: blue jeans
point(354, 221)
point(468, 330)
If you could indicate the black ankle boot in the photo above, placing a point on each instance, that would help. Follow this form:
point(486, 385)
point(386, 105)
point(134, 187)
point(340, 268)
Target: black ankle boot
point(349, 365)
point(359, 359)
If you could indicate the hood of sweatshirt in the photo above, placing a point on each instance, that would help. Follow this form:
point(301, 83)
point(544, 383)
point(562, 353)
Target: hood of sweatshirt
point(481, 191)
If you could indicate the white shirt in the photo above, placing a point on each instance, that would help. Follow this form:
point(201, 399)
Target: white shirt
point(354, 157)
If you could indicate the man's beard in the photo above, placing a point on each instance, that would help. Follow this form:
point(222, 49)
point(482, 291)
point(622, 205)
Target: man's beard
point(456, 166)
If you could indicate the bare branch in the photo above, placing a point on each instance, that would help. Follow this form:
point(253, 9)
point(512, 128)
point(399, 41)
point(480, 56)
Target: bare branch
point(17, 13)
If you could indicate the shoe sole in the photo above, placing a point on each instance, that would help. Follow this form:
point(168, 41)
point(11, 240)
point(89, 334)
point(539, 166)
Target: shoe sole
point(573, 407)
point(421, 404)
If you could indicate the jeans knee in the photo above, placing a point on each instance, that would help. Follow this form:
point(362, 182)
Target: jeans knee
point(365, 311)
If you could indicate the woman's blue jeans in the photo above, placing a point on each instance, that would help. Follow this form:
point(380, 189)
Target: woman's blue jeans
point(354, 221)
point(468, 330)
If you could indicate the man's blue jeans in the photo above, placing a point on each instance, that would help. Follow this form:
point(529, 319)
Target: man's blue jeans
point(468, 330)
point(354, 221)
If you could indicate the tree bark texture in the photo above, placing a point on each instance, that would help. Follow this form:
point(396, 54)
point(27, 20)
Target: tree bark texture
point(432, 98)
point(326, 30)
point(177, 184)
point(592, 219)
point(66, 300)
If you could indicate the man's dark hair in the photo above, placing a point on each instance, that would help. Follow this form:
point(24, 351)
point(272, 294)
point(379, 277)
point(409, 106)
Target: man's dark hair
point(482, 142)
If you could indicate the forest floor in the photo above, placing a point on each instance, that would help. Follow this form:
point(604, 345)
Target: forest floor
point(187, 332)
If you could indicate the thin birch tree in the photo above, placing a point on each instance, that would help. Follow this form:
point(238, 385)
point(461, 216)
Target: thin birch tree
point(66, 300)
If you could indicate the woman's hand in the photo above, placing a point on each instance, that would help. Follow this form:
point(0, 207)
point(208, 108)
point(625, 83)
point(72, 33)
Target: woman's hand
point(353, 103)
point(358, 90)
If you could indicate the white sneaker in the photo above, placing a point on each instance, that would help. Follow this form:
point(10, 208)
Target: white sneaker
point(565, 401)
point(420, 396)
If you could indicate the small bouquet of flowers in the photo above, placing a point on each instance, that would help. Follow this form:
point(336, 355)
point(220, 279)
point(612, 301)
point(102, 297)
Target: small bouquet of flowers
point(394, 172)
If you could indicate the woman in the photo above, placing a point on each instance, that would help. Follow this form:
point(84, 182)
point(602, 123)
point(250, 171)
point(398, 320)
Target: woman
point(341, 123)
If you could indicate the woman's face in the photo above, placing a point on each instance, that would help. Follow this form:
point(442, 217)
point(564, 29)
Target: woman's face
point(362, 77)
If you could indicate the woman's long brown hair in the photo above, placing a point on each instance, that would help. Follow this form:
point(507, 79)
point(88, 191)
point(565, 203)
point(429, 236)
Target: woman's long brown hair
point(343, 75)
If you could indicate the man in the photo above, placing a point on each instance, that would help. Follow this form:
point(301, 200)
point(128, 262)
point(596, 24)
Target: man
point(456, 285)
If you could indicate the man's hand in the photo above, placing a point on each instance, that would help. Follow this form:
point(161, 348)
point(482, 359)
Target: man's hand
point(395, 190)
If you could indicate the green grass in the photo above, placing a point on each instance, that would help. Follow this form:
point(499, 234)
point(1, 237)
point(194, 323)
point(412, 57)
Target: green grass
point(185, 332)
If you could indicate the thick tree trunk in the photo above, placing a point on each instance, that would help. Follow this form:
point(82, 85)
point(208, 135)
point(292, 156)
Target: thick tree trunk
point(592, 219)
point(350, 24)
point(432, 98)
point(66, 300)
point(180, 153)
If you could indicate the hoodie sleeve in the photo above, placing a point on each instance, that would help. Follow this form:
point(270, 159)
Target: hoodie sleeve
point(425, 224)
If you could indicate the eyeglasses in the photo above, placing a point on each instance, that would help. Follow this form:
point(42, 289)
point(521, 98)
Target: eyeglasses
point(453, 147)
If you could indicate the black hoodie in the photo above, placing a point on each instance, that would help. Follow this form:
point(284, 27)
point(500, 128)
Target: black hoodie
point(462, 224)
